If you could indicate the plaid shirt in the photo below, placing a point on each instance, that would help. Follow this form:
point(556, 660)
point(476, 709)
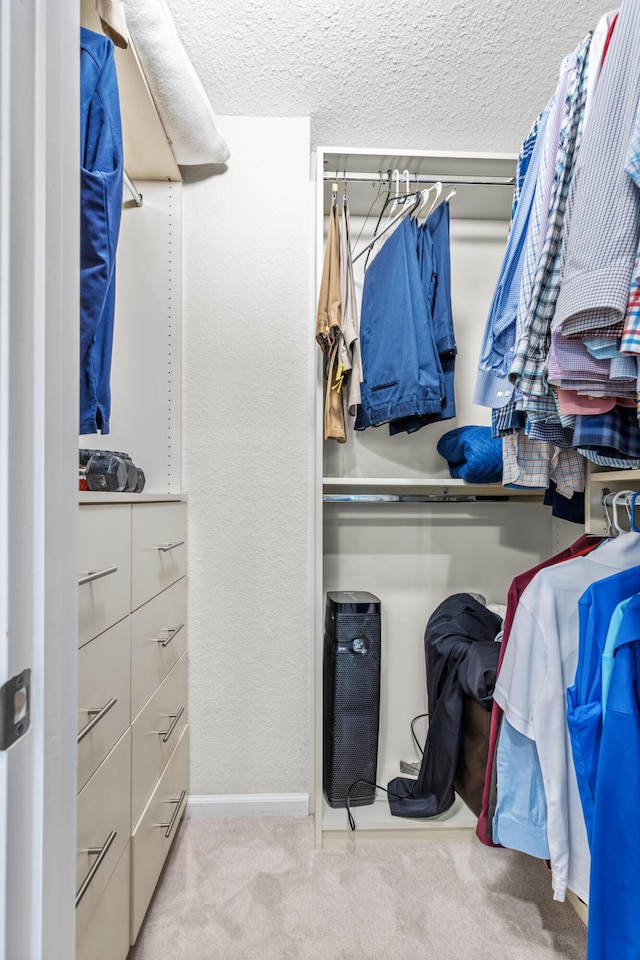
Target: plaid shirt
point(507, 419)
point(524, 159)
point(612, 434)
point(528, 371)
point(619, 463)
point(533, 463)
point(551, 433)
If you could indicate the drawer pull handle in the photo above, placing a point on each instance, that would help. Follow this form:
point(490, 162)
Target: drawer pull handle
point(173, 631)
point(92, 575)
point(169, 826)
point(165, 547)
point(100, 853)
point(99, 714)
point(174, 717)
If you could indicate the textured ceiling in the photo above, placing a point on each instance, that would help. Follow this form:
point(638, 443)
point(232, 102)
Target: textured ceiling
point(455, 74)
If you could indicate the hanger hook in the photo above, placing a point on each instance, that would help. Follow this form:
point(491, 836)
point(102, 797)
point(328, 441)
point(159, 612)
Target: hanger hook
point(620, 497)
point(606, 499)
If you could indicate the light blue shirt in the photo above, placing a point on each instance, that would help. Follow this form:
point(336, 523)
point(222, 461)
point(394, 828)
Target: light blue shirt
point(608, 650)
point(493, 388)
point(520, 820)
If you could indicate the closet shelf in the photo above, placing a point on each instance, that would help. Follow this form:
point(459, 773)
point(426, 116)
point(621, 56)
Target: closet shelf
point(614, 476)
point(372, 487)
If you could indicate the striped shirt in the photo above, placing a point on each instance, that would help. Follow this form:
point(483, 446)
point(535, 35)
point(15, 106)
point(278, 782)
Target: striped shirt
point(605, 229)
point(631, 336)
point(528, 371)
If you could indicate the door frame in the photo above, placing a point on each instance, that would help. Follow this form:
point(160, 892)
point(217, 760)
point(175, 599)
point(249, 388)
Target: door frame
point(39, 311)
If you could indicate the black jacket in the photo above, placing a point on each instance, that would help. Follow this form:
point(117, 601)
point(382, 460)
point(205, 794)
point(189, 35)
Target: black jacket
point(461, 659)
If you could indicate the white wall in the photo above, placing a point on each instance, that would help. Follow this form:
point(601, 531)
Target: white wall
point(457, 75)
point(247, 450)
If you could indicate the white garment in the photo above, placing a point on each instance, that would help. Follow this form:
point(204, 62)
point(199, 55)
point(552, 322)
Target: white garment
point(595, 60)
point(349, 353)
point(539, 664)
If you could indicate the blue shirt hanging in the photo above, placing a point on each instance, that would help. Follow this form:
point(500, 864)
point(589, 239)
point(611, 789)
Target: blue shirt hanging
point(101, 174)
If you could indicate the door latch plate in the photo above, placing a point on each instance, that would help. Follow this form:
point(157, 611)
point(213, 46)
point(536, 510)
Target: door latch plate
point(15, 708)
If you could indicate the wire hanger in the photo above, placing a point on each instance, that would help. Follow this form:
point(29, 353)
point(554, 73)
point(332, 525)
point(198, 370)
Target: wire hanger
point(373, 203)
point(388, 226)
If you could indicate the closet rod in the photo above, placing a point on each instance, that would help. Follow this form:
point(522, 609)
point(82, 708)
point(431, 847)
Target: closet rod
point(408, 498)
point(137, 196)
point(420, 178)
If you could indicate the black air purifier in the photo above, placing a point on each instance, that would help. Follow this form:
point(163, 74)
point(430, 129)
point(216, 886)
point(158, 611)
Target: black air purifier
point(351, 689)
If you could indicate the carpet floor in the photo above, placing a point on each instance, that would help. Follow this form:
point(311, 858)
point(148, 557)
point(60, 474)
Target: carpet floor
point(260, 890)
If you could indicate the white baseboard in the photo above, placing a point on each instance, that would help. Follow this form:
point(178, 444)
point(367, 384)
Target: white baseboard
point(226, 806)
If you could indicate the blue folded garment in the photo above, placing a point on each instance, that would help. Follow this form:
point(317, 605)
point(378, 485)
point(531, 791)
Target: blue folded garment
point(473, 454)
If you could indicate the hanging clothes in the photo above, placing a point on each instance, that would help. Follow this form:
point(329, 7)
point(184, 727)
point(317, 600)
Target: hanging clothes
point(434, 256)
point(329, 332)
point(581, 546)
point(614, 906)
point(402, 374)
point(101, 175)
point(349, 355)
point(605, 224)
point(584, 697)
point(538, 666)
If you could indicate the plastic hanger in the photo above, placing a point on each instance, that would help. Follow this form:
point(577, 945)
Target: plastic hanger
point(424, 196)
point(435, 199)
point(438, 190)
point(632, 512)
point(621, 497)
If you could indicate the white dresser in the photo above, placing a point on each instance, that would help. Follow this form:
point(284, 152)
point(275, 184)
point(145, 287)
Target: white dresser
point(132, 711)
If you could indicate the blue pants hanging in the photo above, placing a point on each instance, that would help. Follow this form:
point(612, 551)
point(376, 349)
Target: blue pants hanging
point(434, 256)
point(100, 207)
point(400, 364)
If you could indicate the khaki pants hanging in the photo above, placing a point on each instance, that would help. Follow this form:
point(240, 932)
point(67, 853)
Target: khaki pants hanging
point(334, 426)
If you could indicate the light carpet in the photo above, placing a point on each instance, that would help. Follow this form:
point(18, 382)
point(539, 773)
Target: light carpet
point(240, 889)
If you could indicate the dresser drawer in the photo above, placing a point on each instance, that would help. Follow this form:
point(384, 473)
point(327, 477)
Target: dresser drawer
point(104, 676)
point(154, 734)
point(104, 552)
point(154, 832)
point(158, 640)
point(158, 550)
point(106, 935)
point(104, 808)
